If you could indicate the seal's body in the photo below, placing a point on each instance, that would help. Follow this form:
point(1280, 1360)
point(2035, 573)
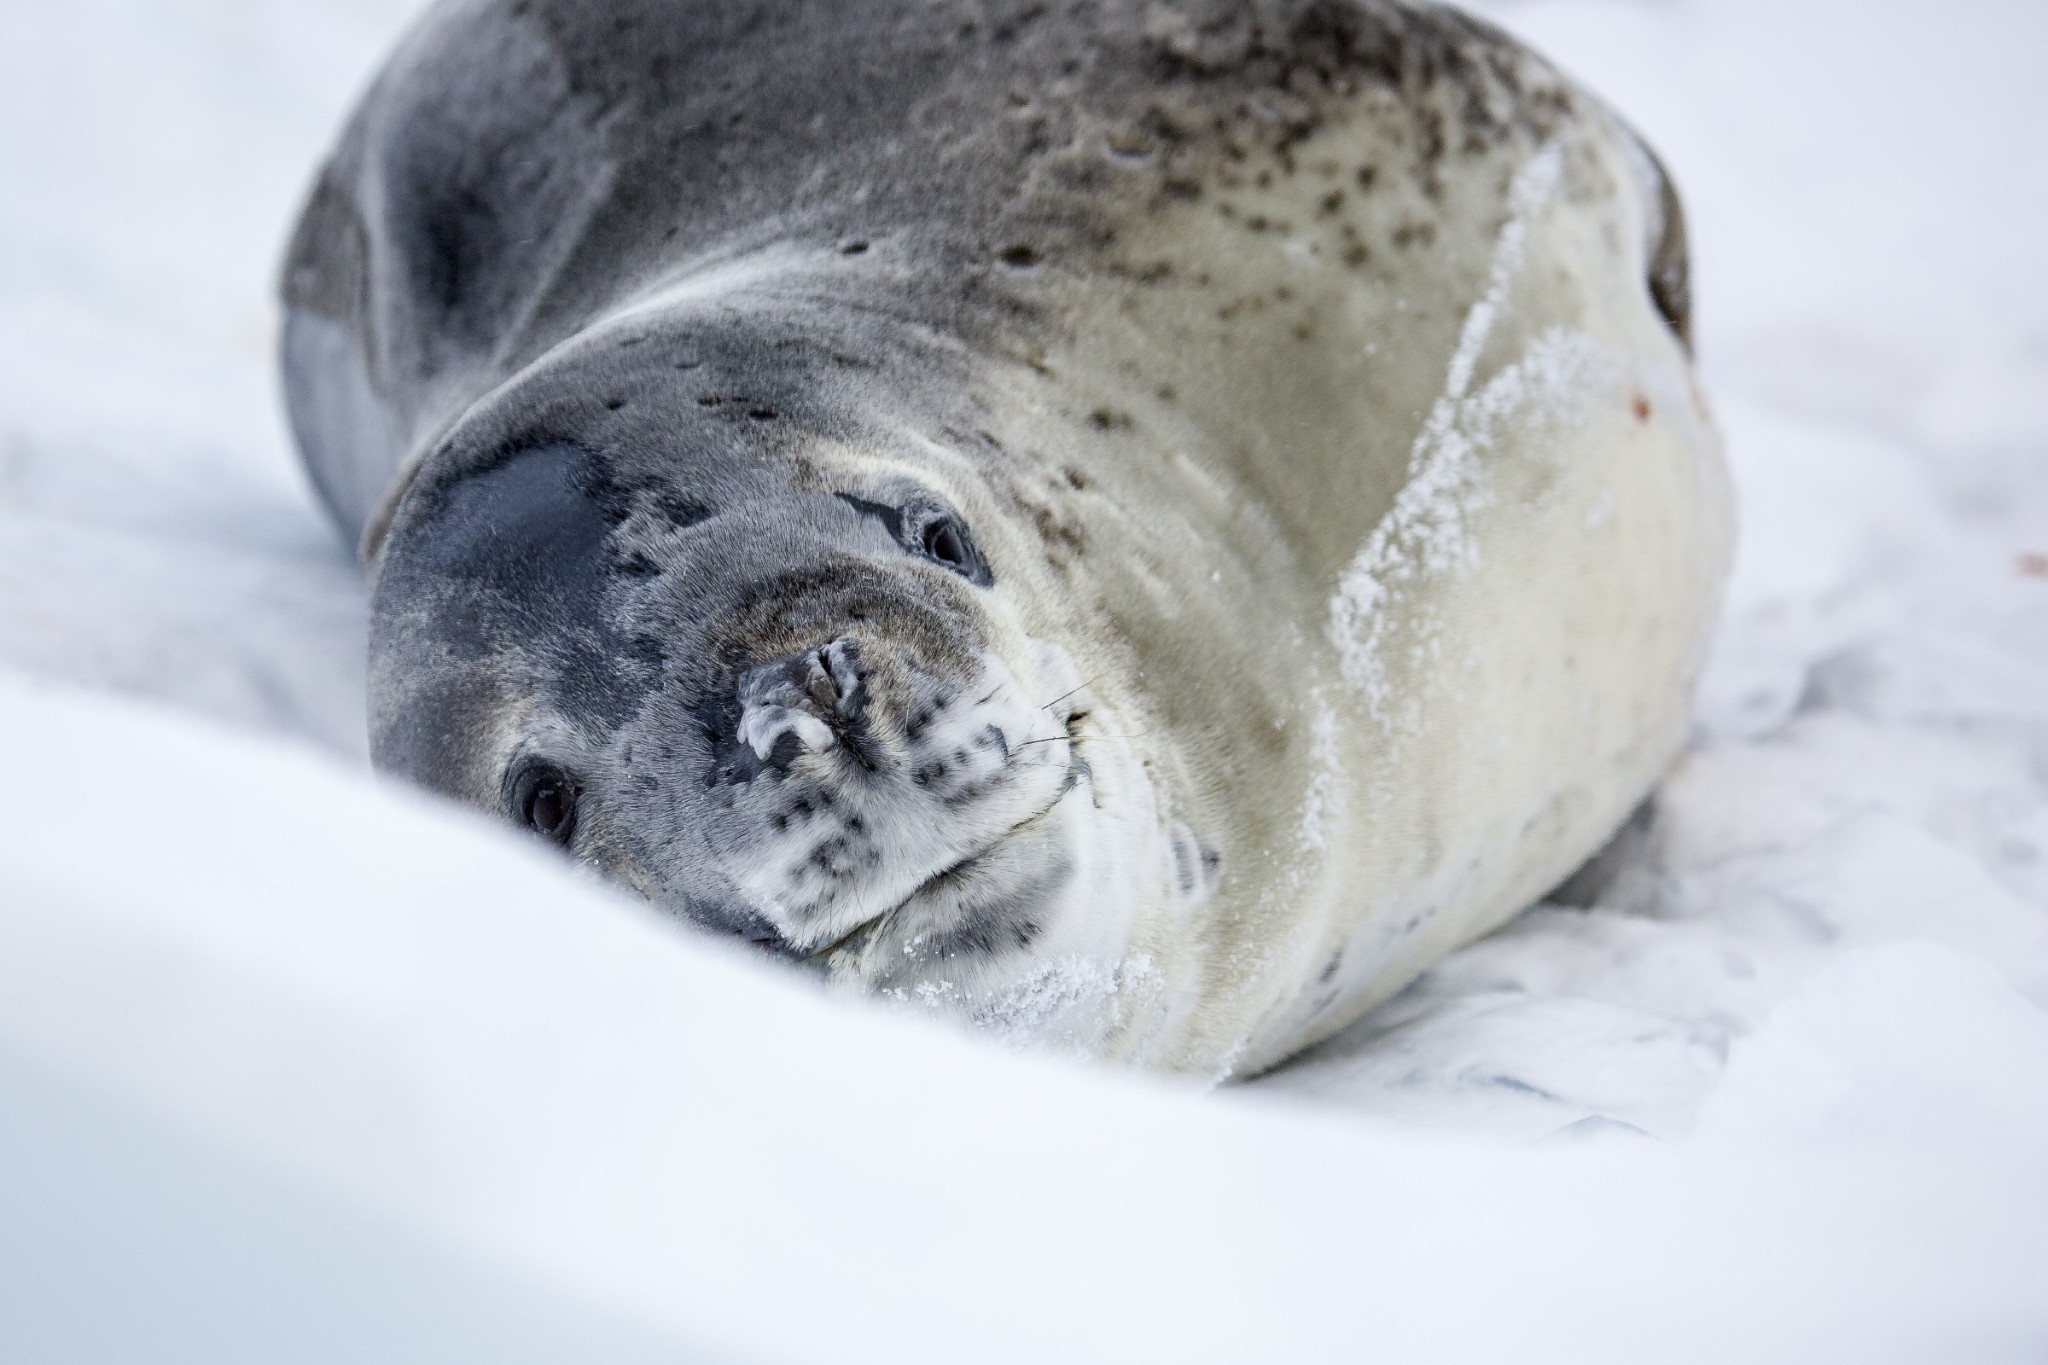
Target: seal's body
point(1136, 524)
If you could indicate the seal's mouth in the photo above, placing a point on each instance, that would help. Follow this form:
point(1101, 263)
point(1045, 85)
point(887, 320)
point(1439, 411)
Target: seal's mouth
point(865, 931)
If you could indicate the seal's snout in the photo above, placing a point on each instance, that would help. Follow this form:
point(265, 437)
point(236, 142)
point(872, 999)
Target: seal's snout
point(851, 783)
point(802, 702)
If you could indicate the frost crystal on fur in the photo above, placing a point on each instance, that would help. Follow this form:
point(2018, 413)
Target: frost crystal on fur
point(1425, 533)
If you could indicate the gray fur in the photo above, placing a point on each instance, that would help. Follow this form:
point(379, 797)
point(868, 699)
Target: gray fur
point(591, 291)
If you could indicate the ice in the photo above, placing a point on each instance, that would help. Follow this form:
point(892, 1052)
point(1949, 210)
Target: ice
point(294, 1065)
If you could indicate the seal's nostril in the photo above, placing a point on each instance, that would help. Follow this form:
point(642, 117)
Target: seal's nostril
point(764, 726)
point(821, 686)
point(840, 661)
point(807, 696)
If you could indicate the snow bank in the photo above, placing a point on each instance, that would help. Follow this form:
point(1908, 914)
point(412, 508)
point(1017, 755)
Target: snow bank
point(427, 1066)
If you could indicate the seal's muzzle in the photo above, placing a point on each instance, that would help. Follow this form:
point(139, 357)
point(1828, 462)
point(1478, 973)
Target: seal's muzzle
point(804, 701)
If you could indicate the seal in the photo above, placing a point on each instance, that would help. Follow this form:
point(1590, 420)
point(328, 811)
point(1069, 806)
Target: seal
point(1137, 525)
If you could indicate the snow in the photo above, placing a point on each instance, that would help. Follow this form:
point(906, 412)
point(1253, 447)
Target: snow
point(297, 1066)
point(299, 1040)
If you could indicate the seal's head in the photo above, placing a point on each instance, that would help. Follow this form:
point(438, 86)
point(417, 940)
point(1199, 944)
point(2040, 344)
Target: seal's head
point(743, 651)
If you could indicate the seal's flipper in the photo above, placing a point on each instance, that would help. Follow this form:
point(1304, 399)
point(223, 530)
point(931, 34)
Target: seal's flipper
point(344, 427)
point(1670, 256)
point(429, 257)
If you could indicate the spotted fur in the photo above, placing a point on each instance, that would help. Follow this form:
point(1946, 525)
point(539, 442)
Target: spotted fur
point(911, 469)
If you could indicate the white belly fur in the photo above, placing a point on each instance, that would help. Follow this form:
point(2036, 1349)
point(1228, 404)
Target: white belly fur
point(1429, 554)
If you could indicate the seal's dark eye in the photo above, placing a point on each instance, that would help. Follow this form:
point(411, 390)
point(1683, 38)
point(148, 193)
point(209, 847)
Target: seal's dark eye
point(923, 529)
point(946, 541)
point(544, 799)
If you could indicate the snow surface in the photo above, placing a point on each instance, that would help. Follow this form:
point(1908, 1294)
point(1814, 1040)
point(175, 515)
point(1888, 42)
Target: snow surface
point(294, 1066)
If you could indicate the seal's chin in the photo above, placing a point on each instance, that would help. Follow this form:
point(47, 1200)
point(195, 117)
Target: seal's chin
point(999, 897)
point(924, 783)
point(982, 846)
point(1026, 933)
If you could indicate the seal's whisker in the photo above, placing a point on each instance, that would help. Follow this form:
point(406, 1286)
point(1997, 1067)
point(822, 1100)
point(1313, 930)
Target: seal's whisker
point(860, 907)
point(1068, 693)
point(1077, 739)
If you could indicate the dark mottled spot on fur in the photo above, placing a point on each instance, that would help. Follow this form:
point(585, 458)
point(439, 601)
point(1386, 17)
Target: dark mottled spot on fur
point(1130, 145)
point(1018, 257)
point(1108, 419)
point(1057, 535)
point(650, 652)
point(982, 928)
point(678, 510)
point(853, 248)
